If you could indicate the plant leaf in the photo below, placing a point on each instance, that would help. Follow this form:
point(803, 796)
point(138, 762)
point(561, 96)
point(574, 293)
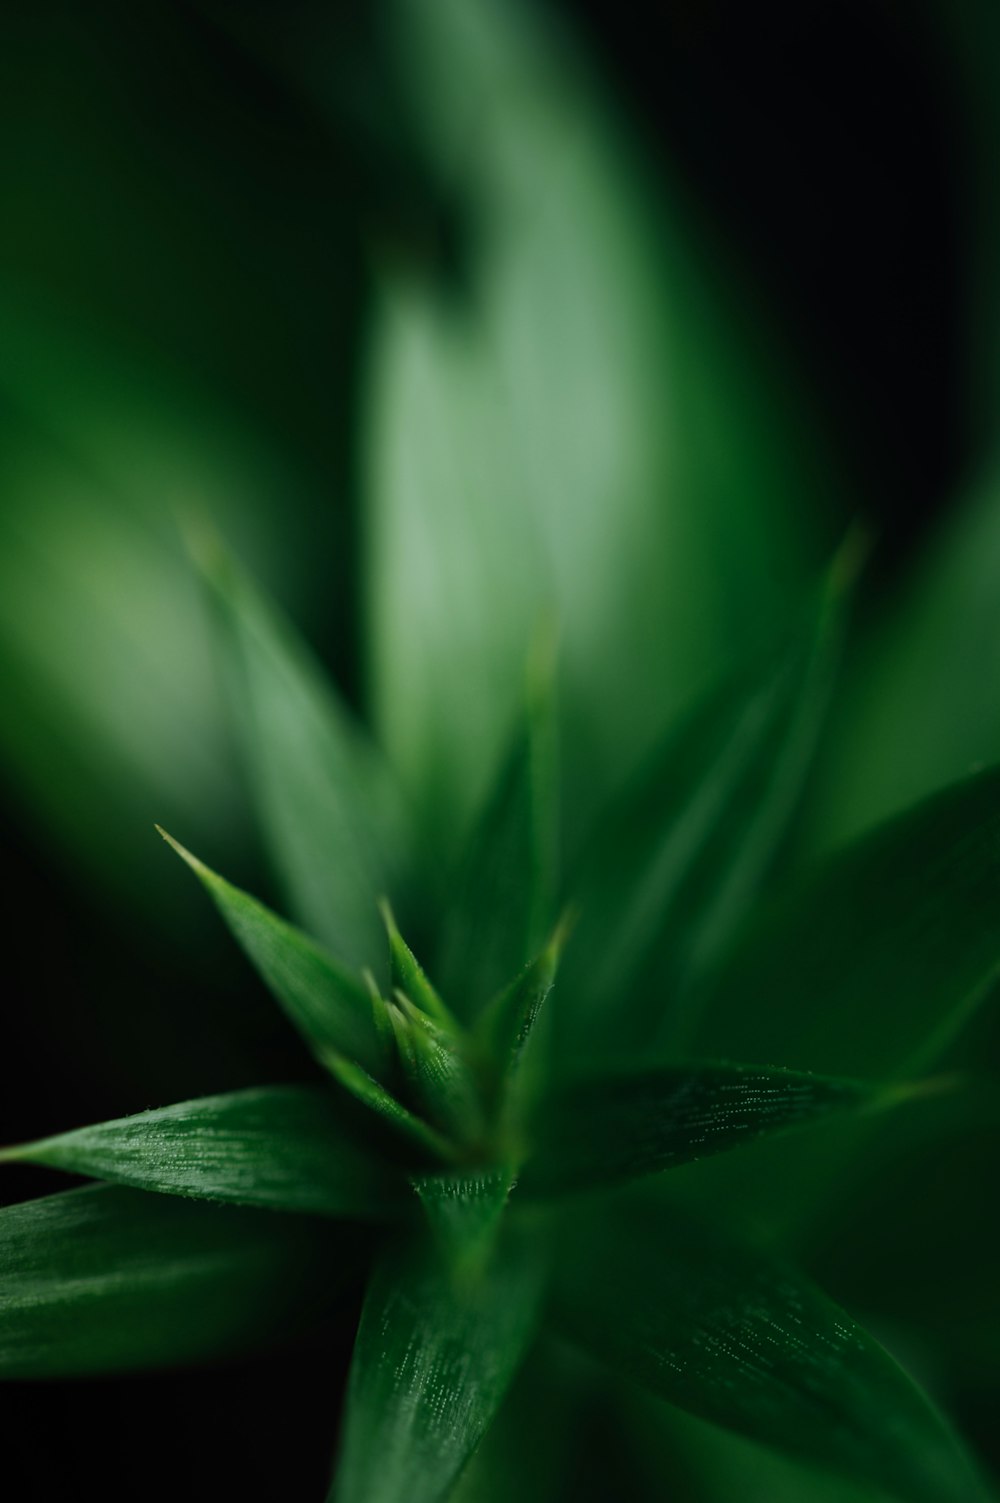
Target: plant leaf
point(614, 1128)
point(278, 1146)
point(679, 861)
point(433, 1359)
point(333, 821)
point(587, 425)
point(501, 906)
point(103, 1278)
point(398, 1118)
point(743, 1340)
point(871, 966)
point(464, 1209)
point(330, 1007)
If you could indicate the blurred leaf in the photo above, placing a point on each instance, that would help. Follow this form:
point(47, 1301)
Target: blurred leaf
point(329, 1006)
point(464, 1209)
point(613, 1128)
point(326, 803)
point(915, 716)
point(506, 1027)
point(101, 1279)
point(501, 904)
point(745, 1341)
point(881, 957)
point(434, 1357)
point(278, 1146)
point(581, 426)
point(679, 860)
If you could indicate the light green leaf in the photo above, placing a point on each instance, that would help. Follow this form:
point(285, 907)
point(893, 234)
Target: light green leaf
point(327, 805)
point(585, 427)
point(433, 1359)
point(745, 1341)
point(501, 905)
point(278, 1146)
point(680, 859)
point(614, 1128)
point(328, 1005)
point(870, 967)
point(102, 1279)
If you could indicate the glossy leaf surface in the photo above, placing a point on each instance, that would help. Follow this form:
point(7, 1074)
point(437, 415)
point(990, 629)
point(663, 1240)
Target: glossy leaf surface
point(104, 1279)
point(279, 1146)
point(434, 1357)
point(614, 1128)
point(738, 1338)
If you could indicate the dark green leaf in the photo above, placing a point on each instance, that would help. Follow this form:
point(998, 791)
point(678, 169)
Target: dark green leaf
point(398, 1118)
point(409, 975)
point(680, 860)
point(464, 1209)
point(434, 1357)
point(614, 1128)
point(330, 1007)
point(872, 965)
point(278, 1146)
point(503, 896)
point(104, 1278)
point(327, 806)
point(743, 1340)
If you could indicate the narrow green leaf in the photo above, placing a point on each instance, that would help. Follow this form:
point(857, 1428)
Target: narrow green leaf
point(441, 1077)
point(409, 975)
point(502, 901)
point(618, 1127)
point(433, 1359)
point(329, 1006)
point(278, 1146)
point(872, 965)
point(372, 1094)
point(679, 861)
point(103, 1279)
point(464, 1209)
point(745, 1341)
point(329, 811)
point(505, 1027)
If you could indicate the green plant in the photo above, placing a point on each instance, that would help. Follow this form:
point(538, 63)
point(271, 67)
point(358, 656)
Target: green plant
point(494, 1155)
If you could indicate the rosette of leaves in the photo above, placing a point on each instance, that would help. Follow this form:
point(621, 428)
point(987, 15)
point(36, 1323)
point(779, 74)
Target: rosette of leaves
point(494, 1138)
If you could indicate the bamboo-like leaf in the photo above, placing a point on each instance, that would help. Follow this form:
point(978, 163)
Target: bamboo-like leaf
point(505, 1027)
point(679, 861)
point(441, 1079)
point(104, 1278)
point(330, 1007)
point(433, 1360)
point(503, 895)
point(409, 975)
point(278, 1146)
point(871, 966)
point(618, 1127)
point(327, 805)
point(743, 1340)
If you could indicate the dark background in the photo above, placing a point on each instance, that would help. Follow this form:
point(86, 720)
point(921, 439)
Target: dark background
point(830, 144)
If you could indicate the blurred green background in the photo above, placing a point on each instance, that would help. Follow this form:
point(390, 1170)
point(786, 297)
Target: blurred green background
point(427, 306)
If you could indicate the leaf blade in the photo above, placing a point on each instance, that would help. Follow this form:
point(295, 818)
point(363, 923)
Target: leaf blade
point(877, 958)
point(739, 1338)
point(282, 1147)
point(329, 1006)
point(329, 810)
point(434, 1357)
point(613, 1128)
point(107, 1279)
